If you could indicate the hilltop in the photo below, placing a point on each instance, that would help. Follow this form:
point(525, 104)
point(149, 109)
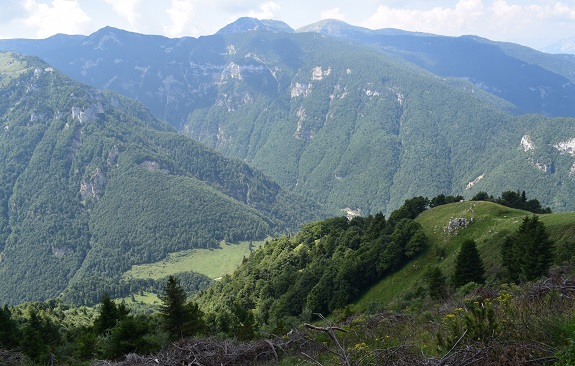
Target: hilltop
point(486, 223)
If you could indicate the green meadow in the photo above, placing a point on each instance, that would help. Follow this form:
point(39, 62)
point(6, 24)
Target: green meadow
point(213, 263)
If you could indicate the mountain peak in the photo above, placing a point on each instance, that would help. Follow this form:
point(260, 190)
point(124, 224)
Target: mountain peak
point(110, 37)
point(564, 46)
point(104, 36)
point(341, 29)
point(332, 27)
point(246, 24)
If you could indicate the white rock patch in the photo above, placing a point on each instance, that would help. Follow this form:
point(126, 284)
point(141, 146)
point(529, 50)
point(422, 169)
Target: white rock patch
point(572, 171)
point(318, 73)
point(526, 144)
point(566, 147)
point(301, 90)
point(474, 182)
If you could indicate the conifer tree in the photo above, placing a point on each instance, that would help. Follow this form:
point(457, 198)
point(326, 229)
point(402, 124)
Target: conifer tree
point(528, 254)
point(107, 317)
point(468, 265)
point(437, 284)
point(181, 318)
point(8, 329)
point(33, 343)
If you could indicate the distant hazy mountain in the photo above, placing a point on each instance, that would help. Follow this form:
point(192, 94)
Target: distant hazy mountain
point(251, 24)
point(565, 46)
point(532, 81)
point(91, 184)
point(355, 119)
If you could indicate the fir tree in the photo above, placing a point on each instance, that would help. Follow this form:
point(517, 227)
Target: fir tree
point(8, 329)
point(528, 254)
point(181, 319)
point(33, 343)
point(108, 315)
point(468, 265)
point(437, 284)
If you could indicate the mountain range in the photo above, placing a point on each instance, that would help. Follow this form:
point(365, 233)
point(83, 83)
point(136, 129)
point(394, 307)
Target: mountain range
point(328, 118)
point(355, 119)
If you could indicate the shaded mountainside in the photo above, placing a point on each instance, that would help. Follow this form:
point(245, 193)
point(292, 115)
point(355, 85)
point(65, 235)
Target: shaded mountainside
point(91, 184)
point(352, 126)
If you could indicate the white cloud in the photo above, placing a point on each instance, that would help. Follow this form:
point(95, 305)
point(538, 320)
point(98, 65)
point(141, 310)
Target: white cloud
point(334, 13)
point(495, 19)
point(441, 20)
point(58, 16)
point(181, 13)
point(265, 10)
point(127, 9)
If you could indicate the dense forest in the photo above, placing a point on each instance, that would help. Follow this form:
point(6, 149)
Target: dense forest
point(322, 268)
point(92, 184)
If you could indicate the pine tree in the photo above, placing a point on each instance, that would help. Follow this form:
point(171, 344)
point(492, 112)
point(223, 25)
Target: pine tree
point(8, 329)
point(33, 343)
point(107, 317)
point(437, 284)
point(180, 319)
point(528, 253)
point(468, 265)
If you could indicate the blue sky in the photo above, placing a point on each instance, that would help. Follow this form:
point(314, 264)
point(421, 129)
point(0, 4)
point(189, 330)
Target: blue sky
point(534, 23)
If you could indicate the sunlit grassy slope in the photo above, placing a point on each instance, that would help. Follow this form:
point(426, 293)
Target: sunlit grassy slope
point(491, 223)
point(11, 66)
point(213, 263)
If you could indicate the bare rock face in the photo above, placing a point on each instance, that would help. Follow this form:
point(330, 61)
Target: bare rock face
point(94, 186)
point(458, 223)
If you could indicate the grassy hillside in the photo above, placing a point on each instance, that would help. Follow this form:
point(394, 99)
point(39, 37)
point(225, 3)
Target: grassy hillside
point(214, 262)
point(491, 223)
point(321, 269)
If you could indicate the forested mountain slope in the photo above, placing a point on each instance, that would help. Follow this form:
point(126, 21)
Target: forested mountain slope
point(91, 184)
point(325, 267)
point(342, 122)
point(533, 81)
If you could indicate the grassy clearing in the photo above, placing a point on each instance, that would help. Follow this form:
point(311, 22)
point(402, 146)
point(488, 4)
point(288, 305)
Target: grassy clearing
point(491, 223)
point(10, 67)
point(213, 263)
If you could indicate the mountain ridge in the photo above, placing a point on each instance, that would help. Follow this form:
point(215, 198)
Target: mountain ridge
point(245, 24)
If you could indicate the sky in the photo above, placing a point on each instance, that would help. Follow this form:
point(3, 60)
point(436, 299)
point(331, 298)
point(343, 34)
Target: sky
point(533, 23)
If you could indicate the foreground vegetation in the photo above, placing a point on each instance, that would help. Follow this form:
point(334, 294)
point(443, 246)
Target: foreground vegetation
point(506, 324)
